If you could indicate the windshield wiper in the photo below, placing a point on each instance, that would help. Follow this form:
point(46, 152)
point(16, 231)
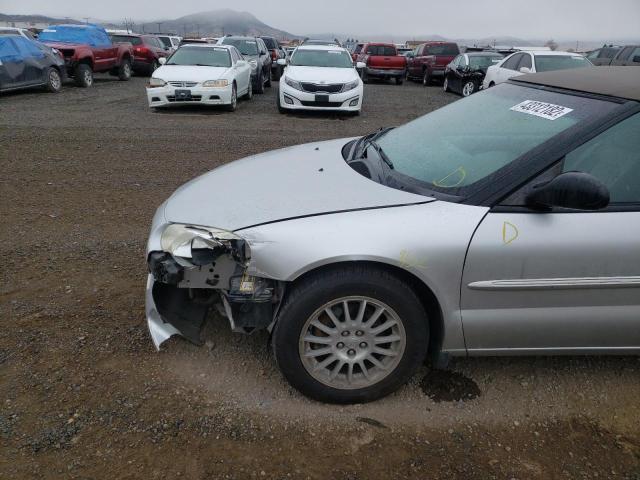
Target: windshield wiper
point(358, 148)
point(383, 156)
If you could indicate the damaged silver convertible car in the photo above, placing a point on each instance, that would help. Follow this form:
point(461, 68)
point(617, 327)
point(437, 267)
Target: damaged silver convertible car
point(504, 223)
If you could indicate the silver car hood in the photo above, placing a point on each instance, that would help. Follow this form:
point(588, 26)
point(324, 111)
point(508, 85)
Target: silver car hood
point(293, 182)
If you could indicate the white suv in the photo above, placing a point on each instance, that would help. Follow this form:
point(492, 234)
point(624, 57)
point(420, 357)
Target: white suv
point(320, 77)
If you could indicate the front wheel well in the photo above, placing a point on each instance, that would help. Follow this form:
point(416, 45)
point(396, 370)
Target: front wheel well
point(425, 294)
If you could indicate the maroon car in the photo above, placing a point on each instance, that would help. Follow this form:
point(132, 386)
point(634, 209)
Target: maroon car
point(429, 60)
point(147, 50)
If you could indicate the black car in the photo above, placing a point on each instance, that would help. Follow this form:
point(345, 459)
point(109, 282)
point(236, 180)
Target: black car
point(465, 73)
point(277, 52)
point(254, 50)
point(25, 63)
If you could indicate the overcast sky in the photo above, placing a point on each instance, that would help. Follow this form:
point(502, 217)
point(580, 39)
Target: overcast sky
point(558, 19)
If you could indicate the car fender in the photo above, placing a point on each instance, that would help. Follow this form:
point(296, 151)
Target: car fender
point(427, 240)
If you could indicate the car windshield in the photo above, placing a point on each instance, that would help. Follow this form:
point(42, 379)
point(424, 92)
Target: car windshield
point(322, 58)
point(546, 63)
point(201, 56)
point(484, 61)
point(445, 152)
point(270, 43)
point(246, 46)
point(445, 49)
point(126, 39)
point(166, 41)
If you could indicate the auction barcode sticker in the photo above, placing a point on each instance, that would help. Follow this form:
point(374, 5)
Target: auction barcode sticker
point(541, 109)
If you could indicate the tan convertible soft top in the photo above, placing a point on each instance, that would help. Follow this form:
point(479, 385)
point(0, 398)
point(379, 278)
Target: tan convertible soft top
point(621, 82)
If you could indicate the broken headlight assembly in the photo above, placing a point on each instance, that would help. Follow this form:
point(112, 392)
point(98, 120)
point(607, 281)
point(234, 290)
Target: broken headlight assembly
point(197, 246)
point(198, 265)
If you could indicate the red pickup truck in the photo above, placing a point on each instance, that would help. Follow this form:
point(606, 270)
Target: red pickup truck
point(382, 61)
point(429, 60)
point(87, 49)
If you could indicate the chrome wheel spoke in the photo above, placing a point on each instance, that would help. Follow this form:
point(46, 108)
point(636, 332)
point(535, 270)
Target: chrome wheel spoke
point(350, 373)
point(321, 326)
point(318, 340)
point(332, 316)
point(385, 326)
point(336, 370)
point(360, 316)
point(385, 351)
point(325, 363)
point(387, 339)
point(317, 353)
point(364, 370)
point(371, 320)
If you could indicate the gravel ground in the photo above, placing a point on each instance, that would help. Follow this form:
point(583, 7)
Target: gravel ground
point(83, 394)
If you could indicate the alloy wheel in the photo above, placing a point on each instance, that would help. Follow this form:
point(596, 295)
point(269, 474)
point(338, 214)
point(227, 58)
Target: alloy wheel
point(54, 80)
point(468, 89)
point(352, 342)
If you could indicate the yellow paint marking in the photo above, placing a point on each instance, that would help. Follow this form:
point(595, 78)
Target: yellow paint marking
point(442, 182)
point(407, 261)
point(509, 233)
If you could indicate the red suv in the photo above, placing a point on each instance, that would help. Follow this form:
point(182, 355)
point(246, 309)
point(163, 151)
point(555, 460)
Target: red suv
point(147, 50)
point(429, 60)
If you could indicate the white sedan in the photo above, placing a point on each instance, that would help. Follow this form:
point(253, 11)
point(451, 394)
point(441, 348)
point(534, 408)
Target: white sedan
point(320, 77)
point(201, 74)
point(520, 63)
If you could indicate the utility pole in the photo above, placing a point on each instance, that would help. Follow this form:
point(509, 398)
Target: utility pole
point(86, 20)
point(159, 27)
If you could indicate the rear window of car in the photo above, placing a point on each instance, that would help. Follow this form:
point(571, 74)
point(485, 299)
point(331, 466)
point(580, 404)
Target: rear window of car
point(443, 49)
point(246, 46)
point(382, 50)
point(126, 39)
point(547, 63)
point(166, 41)
point(270, 43)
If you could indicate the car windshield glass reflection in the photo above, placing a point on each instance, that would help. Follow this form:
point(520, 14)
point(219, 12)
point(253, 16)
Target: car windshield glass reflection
point(126, 39)
point(476, 62)
point(448, 152)
point(322, 58)
point(546, 63)
point(246, 47)
point(201, 56)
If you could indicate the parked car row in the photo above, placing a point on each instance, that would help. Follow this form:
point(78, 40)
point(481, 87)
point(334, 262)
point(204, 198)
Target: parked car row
point(628, 55)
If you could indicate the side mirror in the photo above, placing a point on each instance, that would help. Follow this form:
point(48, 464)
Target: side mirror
point(162, 60)
point(574, 190)
point(262, 52)
point(282, 62)
point(525, 70)
point(409, 55)
point(462, 68)
point(361, 65)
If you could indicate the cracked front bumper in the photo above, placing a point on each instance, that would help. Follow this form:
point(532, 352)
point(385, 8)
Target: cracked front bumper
point(159, 330)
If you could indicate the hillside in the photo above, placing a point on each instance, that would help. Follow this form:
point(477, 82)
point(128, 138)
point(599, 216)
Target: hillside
point(219, 22)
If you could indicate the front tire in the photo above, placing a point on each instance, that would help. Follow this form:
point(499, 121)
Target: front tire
point(260, 84)
point(249, 94)
point(350, 335)
point(426, 78)
point(445, 84)
point(83, 75)
point(468, 88)
point(53, 80)
point(124, 71)
point(234, 99)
